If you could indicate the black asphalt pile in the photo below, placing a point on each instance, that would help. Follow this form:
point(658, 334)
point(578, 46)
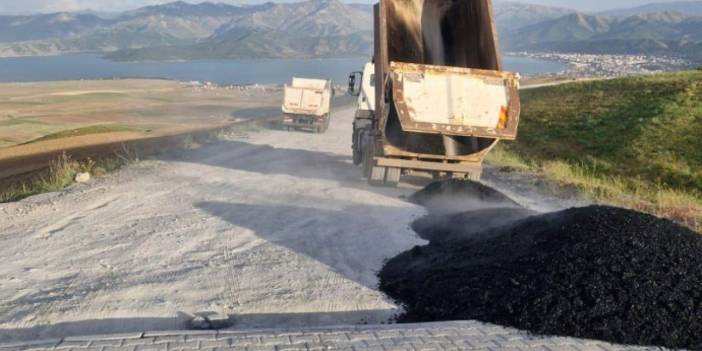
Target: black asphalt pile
point(452, 196)
point(465, 225)
point(596, 272)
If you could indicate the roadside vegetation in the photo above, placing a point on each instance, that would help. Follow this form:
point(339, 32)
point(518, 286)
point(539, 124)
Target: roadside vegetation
point(631, 142)
point(62, 171)
point(60, 175)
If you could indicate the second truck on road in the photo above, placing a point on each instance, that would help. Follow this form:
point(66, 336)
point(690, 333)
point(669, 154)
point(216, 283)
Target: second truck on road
point(306, 104)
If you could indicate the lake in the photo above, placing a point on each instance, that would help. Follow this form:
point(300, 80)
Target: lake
point(86, 66)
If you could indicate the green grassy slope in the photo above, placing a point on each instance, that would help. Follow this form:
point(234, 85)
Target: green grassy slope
point(631, 142)
point(644, 127)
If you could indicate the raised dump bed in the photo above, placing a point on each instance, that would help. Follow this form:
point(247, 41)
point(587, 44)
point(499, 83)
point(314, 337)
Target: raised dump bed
point(442, 100)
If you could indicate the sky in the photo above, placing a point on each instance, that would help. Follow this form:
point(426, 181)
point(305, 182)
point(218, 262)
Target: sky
point(32, 6)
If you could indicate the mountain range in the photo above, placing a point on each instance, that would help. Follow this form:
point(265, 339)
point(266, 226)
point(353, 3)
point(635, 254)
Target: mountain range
point(690, 8)
point(654, 33)
point(330, 28)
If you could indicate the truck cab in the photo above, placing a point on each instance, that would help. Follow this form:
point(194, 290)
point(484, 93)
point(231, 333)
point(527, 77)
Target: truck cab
point(362, 85)
point(365, 90)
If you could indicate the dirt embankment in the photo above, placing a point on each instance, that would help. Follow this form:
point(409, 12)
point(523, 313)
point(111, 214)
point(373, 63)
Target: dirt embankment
point(151, 113)
point(595, 272)
point(31, 157)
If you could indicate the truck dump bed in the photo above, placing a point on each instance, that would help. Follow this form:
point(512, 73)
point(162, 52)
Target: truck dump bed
point(455, 101)
point(439, 62)
point(307, 97)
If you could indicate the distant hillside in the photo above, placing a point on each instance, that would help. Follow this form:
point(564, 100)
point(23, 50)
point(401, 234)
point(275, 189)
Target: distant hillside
point(239, 44)
point(658, 33)
point(511, 15)
point(25, 28)
point(329, 28)
point(318, 28)
point(689, 8)
point(310, 28)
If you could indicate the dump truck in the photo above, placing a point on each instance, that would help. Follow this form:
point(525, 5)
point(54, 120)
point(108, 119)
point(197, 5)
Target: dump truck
point(306, 104)
point(440, 99)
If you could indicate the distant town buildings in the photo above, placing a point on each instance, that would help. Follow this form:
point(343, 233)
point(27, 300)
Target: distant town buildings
point(591, 65)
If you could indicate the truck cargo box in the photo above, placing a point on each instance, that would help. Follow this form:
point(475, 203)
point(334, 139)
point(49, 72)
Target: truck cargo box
point(306, 104)
point(442, 99)
point(307, 97)
point(455, 101)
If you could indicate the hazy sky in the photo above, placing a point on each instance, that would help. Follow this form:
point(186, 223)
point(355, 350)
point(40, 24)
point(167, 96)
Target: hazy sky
point(26, 6)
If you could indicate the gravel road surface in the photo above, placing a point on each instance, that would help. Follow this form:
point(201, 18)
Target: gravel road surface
point(273, 228)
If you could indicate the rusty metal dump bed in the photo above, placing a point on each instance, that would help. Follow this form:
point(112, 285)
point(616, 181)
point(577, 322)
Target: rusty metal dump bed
point(442, 101)
point(441, 92)
point(455, 101)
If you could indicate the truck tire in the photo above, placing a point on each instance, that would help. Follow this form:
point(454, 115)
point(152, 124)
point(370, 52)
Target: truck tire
point(357, 156)
point(357, 145)
point(367, 153)
point(392, 176)
point(328, 122)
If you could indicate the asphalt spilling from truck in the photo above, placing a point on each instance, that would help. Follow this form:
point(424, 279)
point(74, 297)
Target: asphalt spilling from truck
point(595, 272)
point(455, 195)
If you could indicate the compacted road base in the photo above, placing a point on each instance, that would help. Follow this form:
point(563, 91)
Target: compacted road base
point(272, 228)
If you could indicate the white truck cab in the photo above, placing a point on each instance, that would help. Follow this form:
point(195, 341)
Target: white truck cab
point(362, 84)
point(366, 96)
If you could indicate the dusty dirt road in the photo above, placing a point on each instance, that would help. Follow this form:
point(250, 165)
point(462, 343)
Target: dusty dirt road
point(272, 228)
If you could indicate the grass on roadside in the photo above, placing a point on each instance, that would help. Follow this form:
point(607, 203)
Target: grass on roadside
point(633, 142)
point(97, 129)
point(59, 176)
point(634, 193)
point(62, 171)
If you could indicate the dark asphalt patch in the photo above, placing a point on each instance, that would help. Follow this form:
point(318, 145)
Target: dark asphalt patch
point(596, 272)
point(465, 225)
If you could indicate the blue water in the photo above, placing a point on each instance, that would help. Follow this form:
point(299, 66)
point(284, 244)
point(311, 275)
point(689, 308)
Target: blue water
point(86, 66)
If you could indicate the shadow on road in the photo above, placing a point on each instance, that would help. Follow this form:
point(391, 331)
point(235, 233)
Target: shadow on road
point(265, 159)
point(353, 241)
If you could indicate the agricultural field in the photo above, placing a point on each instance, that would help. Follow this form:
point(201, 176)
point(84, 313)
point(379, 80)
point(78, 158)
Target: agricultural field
point(31, 112)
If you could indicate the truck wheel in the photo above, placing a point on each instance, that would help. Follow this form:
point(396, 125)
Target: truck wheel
point(326, 124)
point(367, 153)
point(357, 146)
point(392, 176)
point(377, 175)
point(357, 156)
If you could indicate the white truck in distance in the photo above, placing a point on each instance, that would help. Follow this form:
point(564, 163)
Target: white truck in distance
point(306, 104)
